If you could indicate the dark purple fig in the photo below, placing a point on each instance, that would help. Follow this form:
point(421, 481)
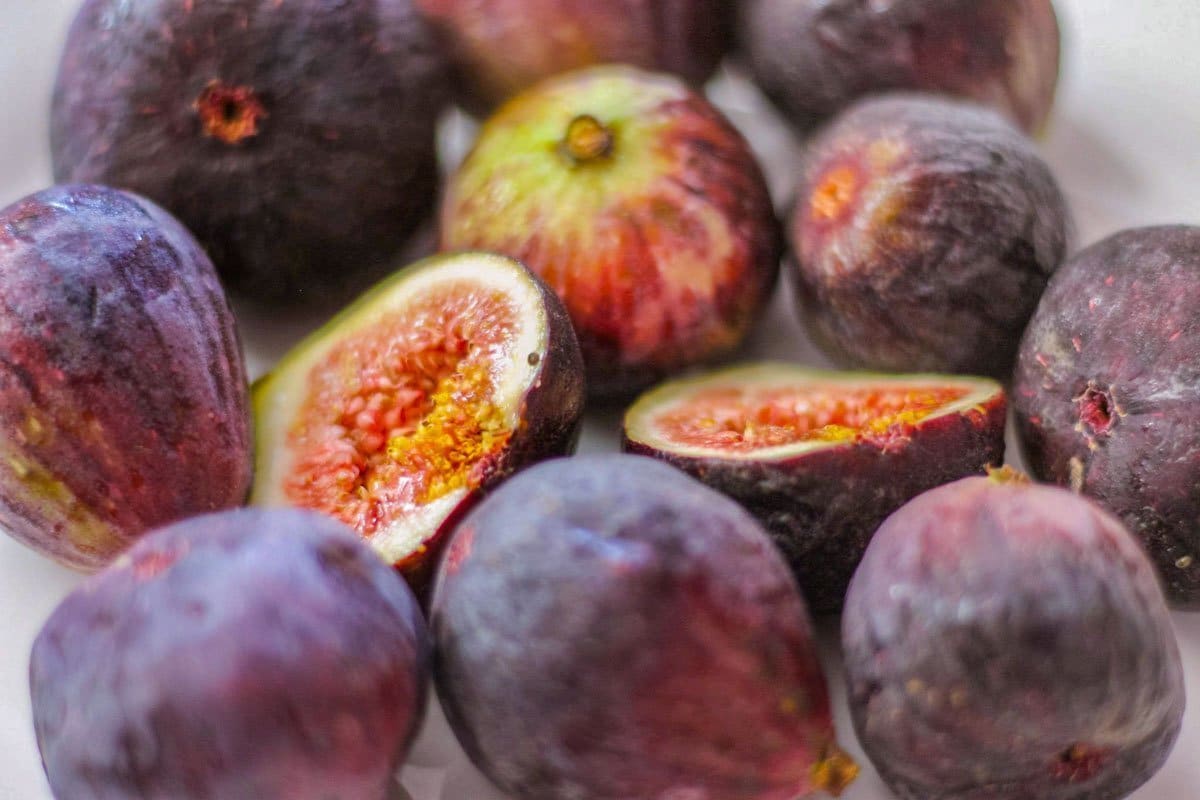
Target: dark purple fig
point(607, 628)
point(925, 231)
point(821, 458)
point(295, 139)
point(1008, 641)
point(241, 656)
point(815, 57)
point(1107, 391)
point(122, 389)
point(431, 389)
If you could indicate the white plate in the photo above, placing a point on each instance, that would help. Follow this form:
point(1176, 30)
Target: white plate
point(1124, 144)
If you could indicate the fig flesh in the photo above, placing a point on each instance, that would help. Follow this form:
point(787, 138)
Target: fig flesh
point(123, 396)
point(432, 388)
point(821, 458)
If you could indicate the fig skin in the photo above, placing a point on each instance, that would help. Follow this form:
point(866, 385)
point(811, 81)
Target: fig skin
point(822, 507)
point(925, 231)
point(295, 139)
point(502, 47)
point(1107, 391)
point(1010, 642)
point(123, 396)
point(814, 58)
point(249, 654)
point(550, 417)
point(659, 234)
point(592, 620)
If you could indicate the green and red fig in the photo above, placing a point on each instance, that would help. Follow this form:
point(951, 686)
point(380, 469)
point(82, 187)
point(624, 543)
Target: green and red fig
point(639, 204)
point(821, 458)
point(429, 390)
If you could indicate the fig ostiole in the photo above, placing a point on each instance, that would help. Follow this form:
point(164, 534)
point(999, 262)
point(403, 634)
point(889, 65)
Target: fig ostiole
point(432, 388)
point(821, 458)
point(123, 393)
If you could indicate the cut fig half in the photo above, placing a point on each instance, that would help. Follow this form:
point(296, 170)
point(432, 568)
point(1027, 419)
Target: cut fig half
point(429, 390)
point(821, 458)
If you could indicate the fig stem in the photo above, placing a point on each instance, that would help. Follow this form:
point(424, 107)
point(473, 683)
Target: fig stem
point(833, 773)
point(587, 140)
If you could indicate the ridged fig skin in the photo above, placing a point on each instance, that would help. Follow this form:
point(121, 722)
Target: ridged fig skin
point(592, 620)
point(1009, 641)
point(1107, 391)
point(924, 231)
point(816, 57)
point(123, 396)
point(822, 507)
point(501, 47)
point(665, 247)
point(314, 198)
point(241, 656)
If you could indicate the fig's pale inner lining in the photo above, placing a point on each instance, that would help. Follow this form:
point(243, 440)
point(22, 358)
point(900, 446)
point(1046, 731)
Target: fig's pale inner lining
point(740, 419)
point(404, 411)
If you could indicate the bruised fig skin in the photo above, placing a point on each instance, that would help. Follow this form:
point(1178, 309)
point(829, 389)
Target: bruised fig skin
point(1107, 391)
point(241, 656)
point(295, 139)
point(592, 620)
point(816, 57)
point(775, 438)
point(925, 231)
point(123, 398)
point(429, 391)
point(639, 204)
point(1008, 641)
point(505, 46)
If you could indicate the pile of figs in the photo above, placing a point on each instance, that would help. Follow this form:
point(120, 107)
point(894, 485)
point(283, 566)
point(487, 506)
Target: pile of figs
point(633, 626)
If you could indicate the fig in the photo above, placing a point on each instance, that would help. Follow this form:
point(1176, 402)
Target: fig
point(123, 397)
point(816, 57)
point(429, 390)
point(821, 458)
point(639, 203)
point(250, 654)
point(607, 628)
point(1009, 641)
point(1107, 391)
point(925, 231)
point(296, 139)
point(502, 47)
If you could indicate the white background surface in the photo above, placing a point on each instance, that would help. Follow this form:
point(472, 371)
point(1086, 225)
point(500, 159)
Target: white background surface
point(1125, 142)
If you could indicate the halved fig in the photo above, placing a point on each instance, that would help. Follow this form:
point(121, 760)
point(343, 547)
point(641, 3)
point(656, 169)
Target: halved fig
point(429, 390)
point(821, 458)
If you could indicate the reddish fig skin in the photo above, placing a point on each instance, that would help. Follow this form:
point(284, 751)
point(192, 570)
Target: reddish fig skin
point(639, 204)
point(1107, 391)
point(822, 507)
point(1008, 641)
point(123, 398)
point(550, 415)
point(502, 47)
point(593, 618)
point(240, 656)
point(925, 231)
point(816, 57)
point(295, 139)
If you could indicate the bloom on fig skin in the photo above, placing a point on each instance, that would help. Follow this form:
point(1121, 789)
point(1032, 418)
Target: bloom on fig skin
point(639, 204)
point(1107, 391)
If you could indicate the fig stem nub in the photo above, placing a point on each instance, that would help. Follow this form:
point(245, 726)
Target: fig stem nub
point(834, 772)
point(587, 140)
point(1007, 475)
